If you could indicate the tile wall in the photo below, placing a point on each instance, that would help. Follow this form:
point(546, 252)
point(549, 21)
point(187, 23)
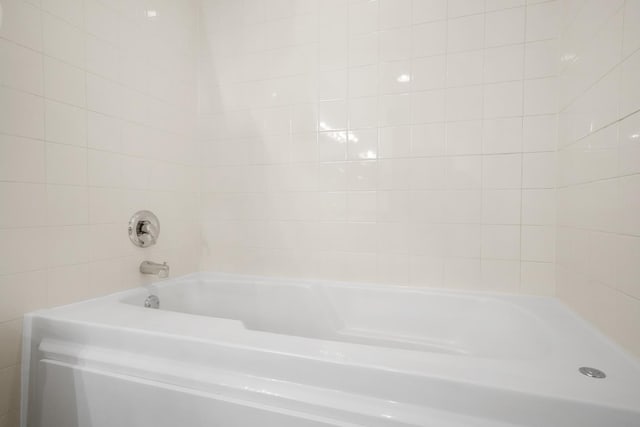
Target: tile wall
point(97, 108)
point(399, 141)
point(598, 250)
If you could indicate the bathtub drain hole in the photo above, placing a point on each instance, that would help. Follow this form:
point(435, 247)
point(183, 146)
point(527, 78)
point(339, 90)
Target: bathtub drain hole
point(592, 372)
point(152, 301)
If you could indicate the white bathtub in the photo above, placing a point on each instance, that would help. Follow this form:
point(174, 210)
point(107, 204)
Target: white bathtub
point(228, 350)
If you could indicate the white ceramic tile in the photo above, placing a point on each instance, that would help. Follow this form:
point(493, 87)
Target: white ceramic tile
point(505, 27)
point(68, 245)
point(630, 206)
point(396, 44)
point(464, 7)
point(463, 241)
point(63, 41)
point(428, 140)
point(22, 249)
point(540, 96)
point(22, 24)
point(102, 58)
point(21, 159)
point(629, 140)
point(67, 205)
point(332, 176)
point(21, 293)
point(429, 39)
point(502, 64)
point(465, 33)
point(464, 103)
point(103, 132)
point(106, 205)
point(501, 207)
point(539, 170)
point(428, 106)
point(104, 169)
point(538, 278)
point(462, 273)
point(361, 206)
point(395, 77)
point(394, 142)
point(542, 59)
point(362, 176)
point(538, 243)
point(23, 205)
point(395, 13)
point(68, 284)
point(394, 174)
point(539, 207)
point(543, 21)
point(22, 114)
point(426, 271)
point(428, 73)
point(64, 82)
point(503, 4)
point(501, 275)
point(464, 137)
point(630, 98)
point(464, 172)
point(631, 40)
point(71, 11)
point(465, 68)
point(426, 173)
point(363, 81)
point(627, 266)
point(65, 124)
point(503, 100)
point(501, 242)
point(20, 68)
point(114, 244)
point(363, 17)
point(104, 96)
point(501, 136)
point(102, 21)
point(332, 145)
point(429, 10)
point(501, 171)
point(332, 85)
point(396, 109)
point(362, 144)
point(363, 49)
point(540, 133)
point(66, 164)
point(332, 115)
point(462, 206)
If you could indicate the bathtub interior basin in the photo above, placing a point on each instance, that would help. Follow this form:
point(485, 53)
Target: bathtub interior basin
point(461, 324)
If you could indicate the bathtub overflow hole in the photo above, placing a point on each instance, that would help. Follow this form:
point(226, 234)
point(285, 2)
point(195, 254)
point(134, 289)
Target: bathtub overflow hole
point(592, 372)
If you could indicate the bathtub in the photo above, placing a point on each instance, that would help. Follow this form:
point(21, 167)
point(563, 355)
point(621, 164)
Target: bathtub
point(226, 350)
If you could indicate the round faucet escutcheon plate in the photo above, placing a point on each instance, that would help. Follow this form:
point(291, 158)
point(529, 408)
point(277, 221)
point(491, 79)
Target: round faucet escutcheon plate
point(144, 229)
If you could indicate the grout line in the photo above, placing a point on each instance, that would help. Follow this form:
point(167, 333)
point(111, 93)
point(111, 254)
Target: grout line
point(522, 132)
point(44, 135)
point(598, 130)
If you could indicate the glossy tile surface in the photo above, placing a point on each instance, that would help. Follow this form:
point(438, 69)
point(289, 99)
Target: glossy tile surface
point(422, 125)
point(598, 237)
point(97, 107)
